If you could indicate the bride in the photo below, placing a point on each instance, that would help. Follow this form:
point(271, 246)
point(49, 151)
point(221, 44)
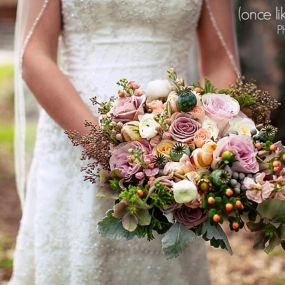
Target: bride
point(101, 41)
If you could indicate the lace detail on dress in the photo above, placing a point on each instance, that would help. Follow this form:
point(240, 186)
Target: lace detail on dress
point(103, 41)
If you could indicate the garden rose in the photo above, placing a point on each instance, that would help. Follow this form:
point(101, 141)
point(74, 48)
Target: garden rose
point(184, 191)
point(201, 136)
point(120, 158)
point(198, 113)
point(242, 126)
point(157, 89)
point(148, 126)
point(190, 217)
point(130, 131)
point(164, 147)
point(183, 127)
point(211, 126)
point(127, 109)
point(243, 149)
point(220, 107)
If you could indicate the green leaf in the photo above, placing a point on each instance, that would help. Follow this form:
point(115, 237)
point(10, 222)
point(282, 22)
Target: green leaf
point(209, 87)
point(255, 227)
point(144, 218)
point(216, 234)
point(176, 239)
point(129, 222)
point(112, 228)
point(273, 242)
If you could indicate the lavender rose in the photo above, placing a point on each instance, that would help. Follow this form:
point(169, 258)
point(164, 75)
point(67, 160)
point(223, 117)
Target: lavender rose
point(120, 159)
point(220, 108)
point(126, 109)
point(183, 127)
point(243, 148)
point(190, 217)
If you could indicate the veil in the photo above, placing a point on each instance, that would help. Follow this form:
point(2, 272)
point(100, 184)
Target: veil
point(29, 13)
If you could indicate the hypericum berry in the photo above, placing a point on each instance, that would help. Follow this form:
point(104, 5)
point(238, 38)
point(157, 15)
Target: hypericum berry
point(276, 169)
point(235, 225)
point(211, 201)
point(276, 163)
point(258, 145)
point(273, 147)
point(216, 218)
point(228, 156)
point(283, 157)
point(197, 89)
point(239, 204)
point(229, 192)
point(229, 207)
point(140, 193)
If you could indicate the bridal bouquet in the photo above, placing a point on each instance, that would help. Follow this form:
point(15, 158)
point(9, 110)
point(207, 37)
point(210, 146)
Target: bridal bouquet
point(181, 160)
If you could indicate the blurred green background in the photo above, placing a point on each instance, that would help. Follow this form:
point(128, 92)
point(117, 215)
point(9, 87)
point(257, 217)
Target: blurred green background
point(262, 55)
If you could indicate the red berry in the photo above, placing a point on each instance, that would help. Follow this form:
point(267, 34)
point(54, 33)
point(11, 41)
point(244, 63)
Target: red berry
point(211, 201)
point(258, 145)
point(216, 218)
point(229, 192)
point(239, 204)
point(273, 147)
point(235, 225)
point(229, 207)
point(276, 169)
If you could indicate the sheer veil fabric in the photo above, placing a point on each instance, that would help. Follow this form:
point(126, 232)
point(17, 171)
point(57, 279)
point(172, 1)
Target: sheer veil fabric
point(29, 13)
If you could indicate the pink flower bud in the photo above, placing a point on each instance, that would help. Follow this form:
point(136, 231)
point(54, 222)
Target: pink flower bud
point(151, 165)
point(166, 136)
point(119, 137)
point(139, 175)
point(138, 92)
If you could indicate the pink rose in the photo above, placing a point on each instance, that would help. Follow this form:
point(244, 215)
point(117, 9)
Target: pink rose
point(126, 109)
point(183, 127)
point(220, 107)
point(190, 217)
point(243, 149)
point(120, 158)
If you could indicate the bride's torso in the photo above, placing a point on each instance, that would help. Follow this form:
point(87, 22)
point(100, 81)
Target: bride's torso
point(106, 40)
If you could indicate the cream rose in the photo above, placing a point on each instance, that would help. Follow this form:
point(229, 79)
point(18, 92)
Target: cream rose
point(148, 126)
point(241, 126)
point(211, 126)
point(184, 191)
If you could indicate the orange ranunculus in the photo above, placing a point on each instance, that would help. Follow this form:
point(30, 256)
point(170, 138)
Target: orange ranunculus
point(164, 147)
point(201, 136)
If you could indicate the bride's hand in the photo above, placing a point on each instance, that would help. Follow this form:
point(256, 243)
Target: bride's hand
point(50, 86)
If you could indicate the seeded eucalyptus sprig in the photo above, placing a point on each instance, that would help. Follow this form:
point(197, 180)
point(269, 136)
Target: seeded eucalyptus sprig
point(103, 107)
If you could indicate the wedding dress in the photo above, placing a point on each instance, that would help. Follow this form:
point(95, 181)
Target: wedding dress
point(102, 42)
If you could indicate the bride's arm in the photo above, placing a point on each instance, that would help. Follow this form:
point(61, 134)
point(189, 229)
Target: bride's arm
point(49, 85)
point(214, 60)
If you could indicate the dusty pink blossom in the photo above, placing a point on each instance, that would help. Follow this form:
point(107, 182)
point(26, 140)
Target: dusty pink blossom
point(243, 148)
point(126, 109)
point(183, 127)
point(258, 190)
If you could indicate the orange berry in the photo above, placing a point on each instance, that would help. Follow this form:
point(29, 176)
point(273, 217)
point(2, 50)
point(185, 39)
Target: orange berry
point(211, 200)
point(235, 225)
point(197, 89)
point(239, 204)
point(229, 192)
point(216, 218)
point(276, 169)
point(283, 157)
point(229, 207)
point(258, 145)
point(273, 147)
point(276, 163)
point(140, 193)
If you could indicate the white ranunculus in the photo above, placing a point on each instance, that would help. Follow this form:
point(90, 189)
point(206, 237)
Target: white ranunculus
point(211, 126)
point(148, 126)
point(184, 191)
point(157, 89)
point(243, 126)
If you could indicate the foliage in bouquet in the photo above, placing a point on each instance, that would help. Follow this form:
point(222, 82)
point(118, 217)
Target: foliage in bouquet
point(179, 160)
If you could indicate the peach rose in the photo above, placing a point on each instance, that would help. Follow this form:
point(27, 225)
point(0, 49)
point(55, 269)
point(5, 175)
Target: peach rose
point(156, 106)
point(201, 136)
point(198, 113)
point(164, 147)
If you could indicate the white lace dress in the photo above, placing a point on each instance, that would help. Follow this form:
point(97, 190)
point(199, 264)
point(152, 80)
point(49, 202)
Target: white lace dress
point(103, 41)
